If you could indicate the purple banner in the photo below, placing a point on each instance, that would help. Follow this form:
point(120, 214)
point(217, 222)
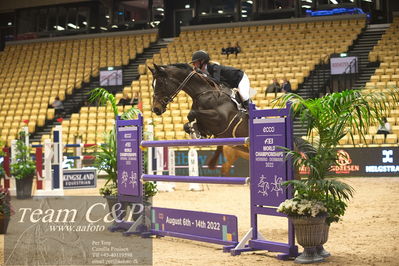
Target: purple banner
point(269, 165)
point(203, 226)
point(128, 161)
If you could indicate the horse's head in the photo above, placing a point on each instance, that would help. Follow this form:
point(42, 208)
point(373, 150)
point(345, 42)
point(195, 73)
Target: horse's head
point(167, 81)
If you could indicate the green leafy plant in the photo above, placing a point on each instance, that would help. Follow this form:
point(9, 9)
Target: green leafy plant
point(5, 202)
point(327, 120)
point(106, 156)
point(23, 166)
point(2, 154)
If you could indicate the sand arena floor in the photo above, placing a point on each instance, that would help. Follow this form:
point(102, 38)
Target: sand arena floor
point(367, 235)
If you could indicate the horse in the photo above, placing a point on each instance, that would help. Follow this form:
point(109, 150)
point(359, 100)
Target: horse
point(215, 112)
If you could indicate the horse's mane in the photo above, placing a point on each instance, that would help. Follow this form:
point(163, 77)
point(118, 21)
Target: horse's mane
point(182, 66)
point(211, 82)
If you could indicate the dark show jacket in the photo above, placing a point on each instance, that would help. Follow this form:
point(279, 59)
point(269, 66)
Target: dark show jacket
point(228, 75)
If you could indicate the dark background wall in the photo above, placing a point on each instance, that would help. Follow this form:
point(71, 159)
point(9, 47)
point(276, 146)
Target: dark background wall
point(7, 5)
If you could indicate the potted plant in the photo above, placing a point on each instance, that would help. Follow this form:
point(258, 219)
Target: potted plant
point(2, 172)
point(5, 209)
point(23, 168)
point(106, 157)
point(327, 120)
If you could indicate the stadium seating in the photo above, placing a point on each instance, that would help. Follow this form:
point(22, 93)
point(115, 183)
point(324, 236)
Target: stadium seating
point(267, 53)
point(33, 74)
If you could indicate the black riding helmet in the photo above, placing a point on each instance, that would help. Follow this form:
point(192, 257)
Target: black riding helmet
point(200, 55)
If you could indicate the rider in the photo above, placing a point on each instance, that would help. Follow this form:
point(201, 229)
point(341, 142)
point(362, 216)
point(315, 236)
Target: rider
point(232, 77)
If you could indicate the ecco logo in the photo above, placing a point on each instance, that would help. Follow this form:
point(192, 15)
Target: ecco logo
point(387, 156)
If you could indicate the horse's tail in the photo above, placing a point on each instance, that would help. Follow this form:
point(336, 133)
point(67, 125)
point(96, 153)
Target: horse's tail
point(215, 157)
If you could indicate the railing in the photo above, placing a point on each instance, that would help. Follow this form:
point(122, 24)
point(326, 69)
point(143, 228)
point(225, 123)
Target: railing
point(346, 80)
point(350, 74)
point(107, 78)
point(324, 66)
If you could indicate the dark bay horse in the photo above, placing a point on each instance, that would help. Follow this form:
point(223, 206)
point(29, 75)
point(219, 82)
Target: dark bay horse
point(215, 113)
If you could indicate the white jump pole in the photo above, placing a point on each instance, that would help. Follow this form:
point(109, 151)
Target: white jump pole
point(13, 185)
point(193, 169)
point(161, 186)
point(53, 172)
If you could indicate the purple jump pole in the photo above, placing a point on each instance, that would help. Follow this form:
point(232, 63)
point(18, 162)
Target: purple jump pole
point(198, 179)
point(195, 142)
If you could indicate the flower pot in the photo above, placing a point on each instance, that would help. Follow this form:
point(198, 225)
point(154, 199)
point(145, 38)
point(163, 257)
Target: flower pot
point(320, 249)
point(4, 220)
point(24, 187)
point(112, 200)
point(309, 234)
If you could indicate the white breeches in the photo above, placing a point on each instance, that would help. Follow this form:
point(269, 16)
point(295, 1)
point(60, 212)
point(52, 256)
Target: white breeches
point(244, 88)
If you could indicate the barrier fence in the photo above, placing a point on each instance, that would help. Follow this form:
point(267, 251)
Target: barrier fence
point(269, 130)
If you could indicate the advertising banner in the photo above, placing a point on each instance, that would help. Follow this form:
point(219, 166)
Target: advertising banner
point(269, 162)
point(365, 162)
point(128, 156)
point(201, 224)
point(80, 178)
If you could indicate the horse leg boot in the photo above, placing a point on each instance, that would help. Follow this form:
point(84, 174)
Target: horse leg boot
point(191, 128)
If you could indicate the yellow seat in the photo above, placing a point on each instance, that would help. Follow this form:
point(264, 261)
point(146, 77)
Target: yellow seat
point(378, 139)
point(391, 139)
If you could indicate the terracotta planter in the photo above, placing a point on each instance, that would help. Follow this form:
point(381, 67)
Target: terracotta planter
point(4, 220)
point(320, 249)
point(309, 234)
point(24, 187)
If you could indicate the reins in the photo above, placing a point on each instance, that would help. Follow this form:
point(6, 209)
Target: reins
point(181, 86)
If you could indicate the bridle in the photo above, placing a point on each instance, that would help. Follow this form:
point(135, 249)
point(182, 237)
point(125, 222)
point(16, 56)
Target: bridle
point(167, 99)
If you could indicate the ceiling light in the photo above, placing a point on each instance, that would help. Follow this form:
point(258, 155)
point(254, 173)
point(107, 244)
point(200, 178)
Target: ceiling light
point(73, 26)
point(59, 27)
point(187, 6)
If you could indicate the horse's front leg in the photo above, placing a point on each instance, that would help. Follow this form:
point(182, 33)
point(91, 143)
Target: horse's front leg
point(191, 127)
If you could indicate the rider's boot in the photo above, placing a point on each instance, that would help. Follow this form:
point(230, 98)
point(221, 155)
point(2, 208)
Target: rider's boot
point(245, 104)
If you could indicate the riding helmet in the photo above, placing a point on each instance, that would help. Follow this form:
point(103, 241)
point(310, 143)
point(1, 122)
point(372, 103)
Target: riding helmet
point(200, 55)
